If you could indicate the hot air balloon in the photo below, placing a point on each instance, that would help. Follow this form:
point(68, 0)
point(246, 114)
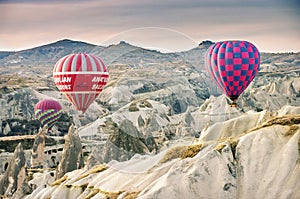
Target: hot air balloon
point(232, 65)
point(80, 77)
point(47, 111)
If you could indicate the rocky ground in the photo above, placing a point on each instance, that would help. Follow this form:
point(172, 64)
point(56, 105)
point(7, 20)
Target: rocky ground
point(234, 160)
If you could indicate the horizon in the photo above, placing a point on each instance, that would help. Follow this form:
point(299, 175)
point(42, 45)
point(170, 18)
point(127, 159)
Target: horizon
point(147, 48)
point(177, 25)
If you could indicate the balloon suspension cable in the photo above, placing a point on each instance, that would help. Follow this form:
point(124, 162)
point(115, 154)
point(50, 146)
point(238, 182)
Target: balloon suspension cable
point(235, 105)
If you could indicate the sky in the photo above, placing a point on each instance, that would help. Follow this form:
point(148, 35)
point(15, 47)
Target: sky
point(168, 25)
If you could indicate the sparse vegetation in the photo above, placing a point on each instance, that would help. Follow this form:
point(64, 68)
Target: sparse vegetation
point(222, 143)
point(192, 150)
point(133, 107)
point(146, 104)
point(132, 195)
point(136, 104)
point(92, 193)
point(111, 195)
point(96, 169)
point(289, 120)
point(59, 181)
point(108, 195)
point(293, 129)
point(220, 146)
point(173, 153)
point(10, 82)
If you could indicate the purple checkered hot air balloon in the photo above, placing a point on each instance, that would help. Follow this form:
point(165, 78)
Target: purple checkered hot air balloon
point(47, 111)
point(232, 65)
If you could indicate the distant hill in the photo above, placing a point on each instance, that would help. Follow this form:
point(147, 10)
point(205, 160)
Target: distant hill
point(46, 54)
point(124, 53)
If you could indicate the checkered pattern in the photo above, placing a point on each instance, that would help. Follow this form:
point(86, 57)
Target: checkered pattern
point(233, 65)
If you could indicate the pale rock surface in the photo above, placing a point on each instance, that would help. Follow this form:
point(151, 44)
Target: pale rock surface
point(6, 129)
point(13, 183)
point(234, 127)
point(213, 110)
point(156, 111)
point(37, 155)
point(262, 162)
point(289, 110)
point(72, 158)
point(93, 160)
point(268, 163)
point(124, 141)
point(138, 127)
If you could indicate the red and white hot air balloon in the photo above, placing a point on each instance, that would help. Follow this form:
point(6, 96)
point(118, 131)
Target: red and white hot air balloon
point(80, 77)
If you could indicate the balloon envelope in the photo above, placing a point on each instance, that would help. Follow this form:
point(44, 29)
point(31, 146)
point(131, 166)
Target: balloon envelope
point(47, 112)
point(80, 77)
point(232, 65)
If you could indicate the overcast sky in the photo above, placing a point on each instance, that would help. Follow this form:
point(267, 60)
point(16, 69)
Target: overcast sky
point(272, 25)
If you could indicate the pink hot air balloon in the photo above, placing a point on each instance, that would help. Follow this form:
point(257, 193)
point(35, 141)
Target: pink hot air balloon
point(47, 111)
point(80, 77)
point(232, 65)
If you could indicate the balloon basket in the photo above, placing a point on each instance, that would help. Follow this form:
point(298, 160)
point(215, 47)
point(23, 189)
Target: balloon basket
point(233, 104)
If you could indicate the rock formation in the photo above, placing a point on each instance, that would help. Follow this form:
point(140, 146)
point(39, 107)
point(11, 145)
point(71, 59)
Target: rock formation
point(124, 141)
point(93, 160)
point(72, 157)
point(6, 129)
point(262, 162)
point(162, 120)
point(13, 183)
point(37, 155)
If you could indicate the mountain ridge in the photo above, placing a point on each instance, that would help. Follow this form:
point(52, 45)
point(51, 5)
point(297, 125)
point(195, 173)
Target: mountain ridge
point(51, 52)
point(202, 44)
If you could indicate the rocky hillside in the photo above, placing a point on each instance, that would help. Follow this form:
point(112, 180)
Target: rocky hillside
point(44, 55)
point(159, 120)
point(233, 159)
